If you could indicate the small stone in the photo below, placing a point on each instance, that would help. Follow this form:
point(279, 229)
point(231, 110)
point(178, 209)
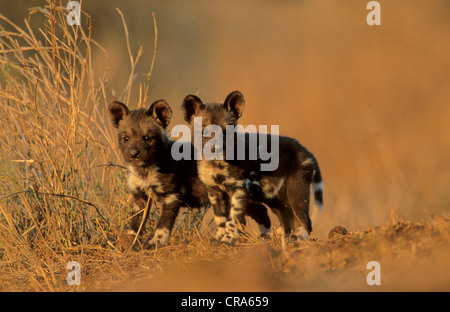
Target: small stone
point(337, 230)
point(126, 241)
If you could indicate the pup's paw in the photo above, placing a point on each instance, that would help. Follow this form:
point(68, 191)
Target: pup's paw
point(228, 239)
point(160, 239)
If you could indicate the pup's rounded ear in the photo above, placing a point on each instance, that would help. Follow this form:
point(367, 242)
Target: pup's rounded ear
point(191, 106)
point(161, 112)
point(235, 103)
point(117, 112)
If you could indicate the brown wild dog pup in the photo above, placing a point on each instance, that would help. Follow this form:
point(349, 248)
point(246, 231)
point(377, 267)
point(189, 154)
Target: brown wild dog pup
point(146, 149)
point(236, 184)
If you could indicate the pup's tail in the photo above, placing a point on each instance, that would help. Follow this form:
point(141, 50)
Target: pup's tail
point(317, 191)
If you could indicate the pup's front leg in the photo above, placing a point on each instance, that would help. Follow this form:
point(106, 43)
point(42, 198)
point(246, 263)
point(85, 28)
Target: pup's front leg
point(238, 204)
point(219, 204)
point(169, 211)
point(140, 200)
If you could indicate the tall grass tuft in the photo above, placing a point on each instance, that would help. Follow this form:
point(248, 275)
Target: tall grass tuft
point(62, 190)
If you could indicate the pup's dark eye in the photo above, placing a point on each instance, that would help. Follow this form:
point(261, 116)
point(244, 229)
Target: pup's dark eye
point(308, 176)
point(147, 139)
point(126, 139)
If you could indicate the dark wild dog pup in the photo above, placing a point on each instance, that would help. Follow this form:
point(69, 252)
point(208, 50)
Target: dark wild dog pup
point(235, 185)
point(146, 149)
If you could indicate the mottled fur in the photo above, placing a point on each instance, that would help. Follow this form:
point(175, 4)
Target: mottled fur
point(236, 187)
point(146, 149)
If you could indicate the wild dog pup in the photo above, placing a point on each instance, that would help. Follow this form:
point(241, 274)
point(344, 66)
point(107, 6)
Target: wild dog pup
point(146, 149)
point(235, 185)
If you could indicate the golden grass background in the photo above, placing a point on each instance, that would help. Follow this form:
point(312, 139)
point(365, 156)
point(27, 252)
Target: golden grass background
point(371, 102)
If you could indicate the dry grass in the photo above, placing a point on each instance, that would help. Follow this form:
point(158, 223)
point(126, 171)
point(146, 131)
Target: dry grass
point(384, 102)
point(62, 195)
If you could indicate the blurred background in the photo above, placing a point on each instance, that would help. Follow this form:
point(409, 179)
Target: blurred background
point(371, 102)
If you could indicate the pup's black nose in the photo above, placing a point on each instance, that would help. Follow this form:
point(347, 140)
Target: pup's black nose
point(134, 153)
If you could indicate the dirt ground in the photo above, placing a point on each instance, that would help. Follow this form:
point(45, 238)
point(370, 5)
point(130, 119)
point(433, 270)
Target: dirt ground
point(413, 256)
